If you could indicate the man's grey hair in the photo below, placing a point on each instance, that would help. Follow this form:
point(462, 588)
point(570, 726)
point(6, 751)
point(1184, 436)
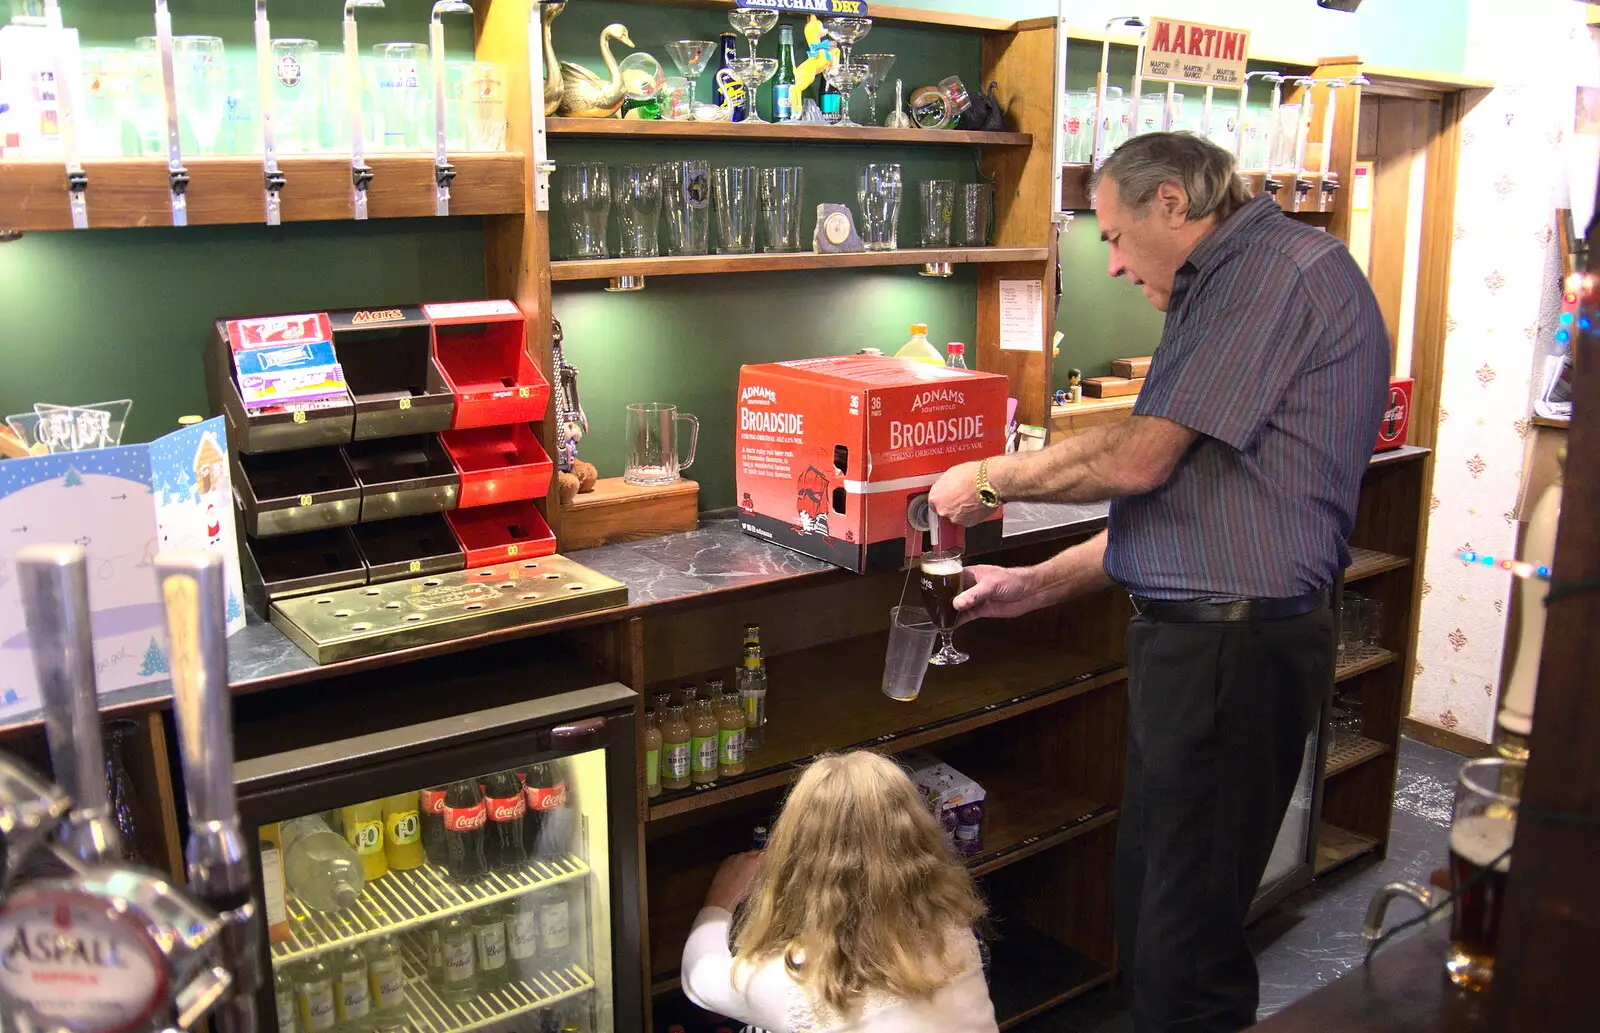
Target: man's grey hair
point(1205, 171)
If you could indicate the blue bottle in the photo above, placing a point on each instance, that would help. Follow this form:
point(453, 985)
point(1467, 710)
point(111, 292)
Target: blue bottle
point(729, 45)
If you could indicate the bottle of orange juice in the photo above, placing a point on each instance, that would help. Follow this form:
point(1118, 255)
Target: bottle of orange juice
point(402, 832)
point(363, 829)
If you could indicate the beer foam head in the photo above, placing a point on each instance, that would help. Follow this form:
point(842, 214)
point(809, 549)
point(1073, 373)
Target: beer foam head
point(1481, 838)
point(945, 566)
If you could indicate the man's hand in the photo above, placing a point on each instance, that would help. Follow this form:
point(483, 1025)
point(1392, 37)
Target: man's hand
point(999, 592)
point(955, 496)
point(733, 879)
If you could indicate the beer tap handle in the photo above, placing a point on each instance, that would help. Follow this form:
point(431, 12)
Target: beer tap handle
point(55, 596)
point(31, 809)
point(192, 591)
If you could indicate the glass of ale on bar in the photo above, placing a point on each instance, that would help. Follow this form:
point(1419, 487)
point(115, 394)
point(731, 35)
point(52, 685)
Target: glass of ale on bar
point(1488, 792)
point(942, 578)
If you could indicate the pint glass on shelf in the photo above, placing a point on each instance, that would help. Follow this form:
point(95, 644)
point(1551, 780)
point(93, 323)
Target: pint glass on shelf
point(1485, 823)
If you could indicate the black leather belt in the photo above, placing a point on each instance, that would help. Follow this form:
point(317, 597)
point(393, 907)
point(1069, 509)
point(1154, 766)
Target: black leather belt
point(1182, 612)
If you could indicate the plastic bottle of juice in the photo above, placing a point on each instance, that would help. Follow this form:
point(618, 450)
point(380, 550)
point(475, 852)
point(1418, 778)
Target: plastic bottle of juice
point(675, 749)
point(402, 832)
point(652, 755)
point(363, 829)
point(703, 728)
point(918, 349)
point(730, 735)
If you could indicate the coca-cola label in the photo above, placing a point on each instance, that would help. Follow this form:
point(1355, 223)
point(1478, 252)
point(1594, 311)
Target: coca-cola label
point(431, 801)
point(546, 798)
point(507, 809)
point(74, 963)
point(466, 819)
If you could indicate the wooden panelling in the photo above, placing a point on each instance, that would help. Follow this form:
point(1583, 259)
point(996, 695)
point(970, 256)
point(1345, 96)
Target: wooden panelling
point(1028, 371)
point(1433, 271)
point(1402, 138)
point(1074, 417)
point(1445, 739)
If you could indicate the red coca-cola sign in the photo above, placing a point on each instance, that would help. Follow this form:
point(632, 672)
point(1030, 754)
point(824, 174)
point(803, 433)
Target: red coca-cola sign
point(1396, 415)
point(508, 809)
point(546, 798)
point(431, 801)
point(466, 819)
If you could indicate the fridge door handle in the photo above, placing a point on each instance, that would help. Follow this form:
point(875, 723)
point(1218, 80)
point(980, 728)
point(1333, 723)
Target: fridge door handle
point(576, 735)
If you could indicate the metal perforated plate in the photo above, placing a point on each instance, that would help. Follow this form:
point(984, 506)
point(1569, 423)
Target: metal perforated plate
point(422, 611)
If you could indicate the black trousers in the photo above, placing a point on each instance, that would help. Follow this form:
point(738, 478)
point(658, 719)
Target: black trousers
point(1217, 726)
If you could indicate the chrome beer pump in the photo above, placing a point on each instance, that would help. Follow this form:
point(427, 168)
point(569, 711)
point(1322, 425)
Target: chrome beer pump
point(106, 946)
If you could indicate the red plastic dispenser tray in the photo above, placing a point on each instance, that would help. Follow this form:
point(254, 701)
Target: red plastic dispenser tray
point(503, 532)
point(499, 464)
point(482, 348)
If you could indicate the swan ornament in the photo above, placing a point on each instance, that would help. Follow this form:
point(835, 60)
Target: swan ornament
point(552, 67)
point(586, 95)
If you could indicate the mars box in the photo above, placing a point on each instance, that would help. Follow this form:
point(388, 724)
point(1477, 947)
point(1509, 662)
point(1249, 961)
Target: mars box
point(835, 456)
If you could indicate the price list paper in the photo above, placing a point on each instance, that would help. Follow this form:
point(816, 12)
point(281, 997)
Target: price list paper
point(1021, 315)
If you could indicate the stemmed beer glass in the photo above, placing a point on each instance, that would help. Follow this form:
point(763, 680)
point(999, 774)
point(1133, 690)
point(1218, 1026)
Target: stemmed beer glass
point(942, 578)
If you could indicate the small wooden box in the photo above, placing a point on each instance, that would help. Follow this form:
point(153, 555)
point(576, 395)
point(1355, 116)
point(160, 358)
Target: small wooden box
point(617, 511)
point(1135, 368)
point(1111, 387)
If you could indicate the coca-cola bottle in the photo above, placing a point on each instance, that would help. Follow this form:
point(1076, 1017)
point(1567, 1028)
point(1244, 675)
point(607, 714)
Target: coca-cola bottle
point(507, 807)
point(546, 830)
point(464, 818)
point(430, 816)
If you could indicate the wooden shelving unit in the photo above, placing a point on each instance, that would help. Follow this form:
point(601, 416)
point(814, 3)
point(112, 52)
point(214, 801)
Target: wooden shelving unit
point(1337, 846)
point(133, 192)
point(1030, 973)
point(1349, 751)
point(1363, 665)
point(1365, 563)
point(769, 132)
point(845, 709)
point(690, 265)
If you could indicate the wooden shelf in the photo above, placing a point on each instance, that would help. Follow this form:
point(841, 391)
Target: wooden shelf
point(132, 192)
point(829, 698)
point(1030, 973)
point(1348, 751)
point(914, 15)
point(1369, 662)
point(1337, 846)
point(1365, 563)
point(689, 265)
point(631, 128)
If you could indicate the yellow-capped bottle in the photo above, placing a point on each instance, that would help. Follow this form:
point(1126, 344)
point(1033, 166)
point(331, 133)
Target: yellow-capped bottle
point(363, 829)
point(402, 832)
point(918, 349)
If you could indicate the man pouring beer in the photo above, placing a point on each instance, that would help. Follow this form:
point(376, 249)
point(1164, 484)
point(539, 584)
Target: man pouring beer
point(1233, 490)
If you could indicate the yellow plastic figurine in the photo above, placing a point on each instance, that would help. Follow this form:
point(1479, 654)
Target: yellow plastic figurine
point(806, 72)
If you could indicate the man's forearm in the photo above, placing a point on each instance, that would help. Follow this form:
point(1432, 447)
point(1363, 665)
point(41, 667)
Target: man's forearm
point(1071, 572)
point(1129, 457)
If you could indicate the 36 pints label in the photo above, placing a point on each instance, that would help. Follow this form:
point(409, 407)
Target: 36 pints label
point(466, 819)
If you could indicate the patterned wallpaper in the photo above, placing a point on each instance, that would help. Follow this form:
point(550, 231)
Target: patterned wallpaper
point(1504, 289)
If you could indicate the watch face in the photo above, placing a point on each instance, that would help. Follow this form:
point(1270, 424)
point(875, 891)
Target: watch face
point(836, 228)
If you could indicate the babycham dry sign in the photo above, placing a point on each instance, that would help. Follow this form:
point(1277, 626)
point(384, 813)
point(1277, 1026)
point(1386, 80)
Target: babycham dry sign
point(1189, 52)
point(821, 8)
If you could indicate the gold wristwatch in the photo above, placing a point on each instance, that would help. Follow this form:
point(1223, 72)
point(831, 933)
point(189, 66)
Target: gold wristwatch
point(986, 493)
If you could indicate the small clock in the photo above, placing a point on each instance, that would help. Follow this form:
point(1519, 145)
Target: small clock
point(836, 230)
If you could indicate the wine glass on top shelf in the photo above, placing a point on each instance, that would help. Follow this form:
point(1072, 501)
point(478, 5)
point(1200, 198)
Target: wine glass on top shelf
point(878, 66)
point(753, 23)
point(845, 77)
point(752, 72)
point(691, 57)
point(846, 31)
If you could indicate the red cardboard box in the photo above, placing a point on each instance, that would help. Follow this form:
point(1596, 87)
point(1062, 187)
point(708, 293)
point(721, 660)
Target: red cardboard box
point(1396, 415)
point(835, 456)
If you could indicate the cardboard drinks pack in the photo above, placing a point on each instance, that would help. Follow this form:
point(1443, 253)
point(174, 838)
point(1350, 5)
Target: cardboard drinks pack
point(834, 456)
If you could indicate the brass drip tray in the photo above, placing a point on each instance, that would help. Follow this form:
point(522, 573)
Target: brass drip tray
point(424, 611)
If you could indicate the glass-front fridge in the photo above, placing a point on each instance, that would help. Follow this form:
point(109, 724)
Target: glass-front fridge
point(478, 872)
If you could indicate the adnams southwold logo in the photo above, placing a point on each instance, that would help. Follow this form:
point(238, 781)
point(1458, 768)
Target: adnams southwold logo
point(938, 399)
point(758, 394)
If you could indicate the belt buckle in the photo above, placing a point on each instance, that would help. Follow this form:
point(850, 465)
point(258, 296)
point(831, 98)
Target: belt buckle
point(1137, 609)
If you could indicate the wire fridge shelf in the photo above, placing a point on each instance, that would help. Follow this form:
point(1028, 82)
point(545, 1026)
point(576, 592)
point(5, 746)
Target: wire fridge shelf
point(427, 1012)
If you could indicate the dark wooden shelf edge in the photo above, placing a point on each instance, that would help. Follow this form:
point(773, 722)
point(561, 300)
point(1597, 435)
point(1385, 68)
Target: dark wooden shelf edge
point(1338, 769)
point(1343, 846)
point(714, 793)
point(1367, 666)
point(569, 270)
point(1372, 568)
point(1030, 973)
point(1014, 852)
point(607, 128)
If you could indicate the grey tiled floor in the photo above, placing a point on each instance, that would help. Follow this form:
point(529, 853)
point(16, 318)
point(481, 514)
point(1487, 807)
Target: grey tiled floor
point(1314, 937)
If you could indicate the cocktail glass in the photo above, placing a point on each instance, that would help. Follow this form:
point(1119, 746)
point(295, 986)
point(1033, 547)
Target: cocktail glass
point(691, 57)
point(847, 31)
point(878, 66)
point(845, 78)
point(753, 23)
point(753, 71)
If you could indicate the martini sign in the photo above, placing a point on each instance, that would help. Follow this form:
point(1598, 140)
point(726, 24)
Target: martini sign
point(1191, 52)
point(820, 8)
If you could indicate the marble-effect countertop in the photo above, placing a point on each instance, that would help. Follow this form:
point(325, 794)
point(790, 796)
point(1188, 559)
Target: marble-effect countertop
point(716, 556)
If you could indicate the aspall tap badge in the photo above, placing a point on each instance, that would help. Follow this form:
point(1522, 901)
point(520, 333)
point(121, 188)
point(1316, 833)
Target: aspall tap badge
point(70, 961)
point(289, 70)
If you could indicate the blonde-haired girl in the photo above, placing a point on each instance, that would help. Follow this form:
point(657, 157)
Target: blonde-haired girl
point(860, 918)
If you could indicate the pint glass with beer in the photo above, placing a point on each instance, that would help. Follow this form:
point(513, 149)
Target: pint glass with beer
point(1487, 794)
point(942, 578)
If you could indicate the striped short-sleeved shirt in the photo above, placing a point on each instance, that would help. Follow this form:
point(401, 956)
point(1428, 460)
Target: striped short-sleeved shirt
point(1275, 351)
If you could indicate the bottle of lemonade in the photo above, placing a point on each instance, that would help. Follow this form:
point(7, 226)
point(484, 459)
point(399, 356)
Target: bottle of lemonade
point(363, 829)
point(703, 728)
point(730, 735)
point(918, 349)
point(652, 754)
point(675, 746)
